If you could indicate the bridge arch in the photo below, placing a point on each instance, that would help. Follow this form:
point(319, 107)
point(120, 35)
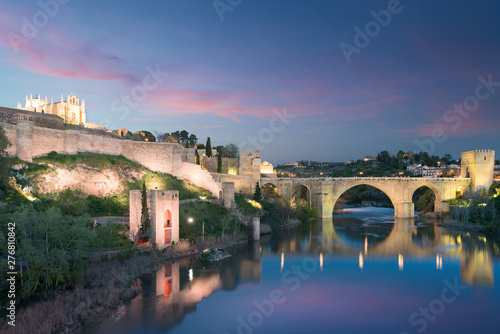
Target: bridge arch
point(302, 191)
point(339, 191)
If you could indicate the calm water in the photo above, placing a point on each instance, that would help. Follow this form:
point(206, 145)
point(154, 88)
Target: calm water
point(362, 272)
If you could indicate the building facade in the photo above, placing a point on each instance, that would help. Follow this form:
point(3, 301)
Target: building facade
point(71, 110)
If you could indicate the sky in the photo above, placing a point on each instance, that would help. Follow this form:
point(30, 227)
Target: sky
point(298, 80)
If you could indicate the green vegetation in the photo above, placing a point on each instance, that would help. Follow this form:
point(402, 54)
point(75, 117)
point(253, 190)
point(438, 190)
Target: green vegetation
point(482, 208)
point(218, 221)
point(4, 167)
point(384, 165)
point(145, 229)
point(208, 149)
point(93, 205)
point(52, 245)
point(257, 194)
point(95, 160)
point(219, 163)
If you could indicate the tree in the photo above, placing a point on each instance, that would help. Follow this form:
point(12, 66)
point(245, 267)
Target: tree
point(148, 136)
point(219, 163)
point(4, 168)
point(187, 144)
point(145, 229)
point(171, 138)
point(208, 148)
point(196, 157)
point(183, 136)
point(257, 195)
point(160, 136)
point(232, 150)
point(192, 139)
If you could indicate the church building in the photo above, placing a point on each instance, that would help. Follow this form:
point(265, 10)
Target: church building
point(71, 111)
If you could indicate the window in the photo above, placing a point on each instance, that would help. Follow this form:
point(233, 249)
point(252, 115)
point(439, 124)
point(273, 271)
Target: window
point(31, 119)
point(25, 118)
point(484, 157)
point(3, 115)
point(17, 117)
point(10, 116)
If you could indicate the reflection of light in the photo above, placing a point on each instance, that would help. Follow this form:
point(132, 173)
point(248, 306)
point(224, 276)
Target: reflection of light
point(366, 244)
point(282, 261)
point(459, 240)
point(190, 274)
point(321, 261)
point(361, 260)
point(439, 262)
point(400, 261)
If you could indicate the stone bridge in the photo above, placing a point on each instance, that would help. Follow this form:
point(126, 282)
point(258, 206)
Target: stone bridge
point(323, 193)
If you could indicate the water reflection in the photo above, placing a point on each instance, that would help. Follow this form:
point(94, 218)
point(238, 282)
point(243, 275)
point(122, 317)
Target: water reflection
point(378, 234)
point(175, 288)
point(367, 240)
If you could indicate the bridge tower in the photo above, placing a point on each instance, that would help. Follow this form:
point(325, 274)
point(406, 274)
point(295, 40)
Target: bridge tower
point(478, 166)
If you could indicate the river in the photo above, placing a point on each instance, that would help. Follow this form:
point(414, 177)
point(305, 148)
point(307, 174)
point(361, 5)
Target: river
point(361, 272)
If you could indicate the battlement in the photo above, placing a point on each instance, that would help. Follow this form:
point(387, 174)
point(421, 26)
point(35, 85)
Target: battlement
point(250, 154)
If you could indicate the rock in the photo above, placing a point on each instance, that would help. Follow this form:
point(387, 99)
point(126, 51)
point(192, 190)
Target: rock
point(213, 255)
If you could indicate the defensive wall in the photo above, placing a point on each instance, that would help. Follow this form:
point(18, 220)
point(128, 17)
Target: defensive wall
point(29, 141)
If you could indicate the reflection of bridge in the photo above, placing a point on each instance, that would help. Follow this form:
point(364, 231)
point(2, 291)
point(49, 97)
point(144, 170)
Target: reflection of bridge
point(325, 192)
point(476, 172)
point(406, 240)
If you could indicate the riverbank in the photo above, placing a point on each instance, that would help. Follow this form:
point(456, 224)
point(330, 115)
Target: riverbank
point(107, 285)
point(485, 229)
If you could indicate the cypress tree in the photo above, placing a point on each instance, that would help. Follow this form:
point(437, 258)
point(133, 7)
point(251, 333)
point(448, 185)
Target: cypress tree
point(219, 163)
point(208, 148)
point(145, 218)
point(257, 195)
point(196, 157)
point(187, 144)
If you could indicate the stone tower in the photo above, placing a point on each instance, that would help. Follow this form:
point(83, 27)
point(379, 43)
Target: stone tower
point(478, 166)
point(164, 211)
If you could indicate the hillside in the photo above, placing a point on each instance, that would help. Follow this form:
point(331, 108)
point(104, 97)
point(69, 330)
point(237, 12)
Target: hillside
point(90, 175)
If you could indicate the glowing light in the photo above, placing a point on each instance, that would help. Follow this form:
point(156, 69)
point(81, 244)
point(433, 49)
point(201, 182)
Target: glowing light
point(439, 262)
point(366, 244)
point(401, 263)
point(203, 197)
point(321, 261)
point(190, 220)
point(360, 173)
point(282, 261)
point(361, 261)
point(255, 204)
point(190, 274)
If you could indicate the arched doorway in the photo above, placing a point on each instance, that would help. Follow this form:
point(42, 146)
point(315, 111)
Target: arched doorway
point(424, 200)
point(167, 227)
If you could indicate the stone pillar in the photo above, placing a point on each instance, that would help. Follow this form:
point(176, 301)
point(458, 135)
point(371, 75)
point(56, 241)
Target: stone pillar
point(404, 210)
point(228, 195)
point(24, 141)
point(254, 229)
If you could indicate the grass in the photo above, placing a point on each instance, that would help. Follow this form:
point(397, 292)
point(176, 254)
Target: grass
point(95, 160)
point(111, 205)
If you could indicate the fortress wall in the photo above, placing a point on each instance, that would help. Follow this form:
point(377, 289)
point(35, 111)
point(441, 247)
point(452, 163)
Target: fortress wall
point(242, 184)
point(11, 134)
point(201, 178)
point(44, 141)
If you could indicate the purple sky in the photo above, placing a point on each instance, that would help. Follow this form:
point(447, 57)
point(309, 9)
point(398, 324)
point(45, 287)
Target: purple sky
point(228, 78)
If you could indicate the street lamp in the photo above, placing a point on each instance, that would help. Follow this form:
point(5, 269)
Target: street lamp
point(190, 220)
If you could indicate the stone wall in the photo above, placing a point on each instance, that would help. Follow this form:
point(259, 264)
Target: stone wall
point(479, 166)
point(229, 165)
